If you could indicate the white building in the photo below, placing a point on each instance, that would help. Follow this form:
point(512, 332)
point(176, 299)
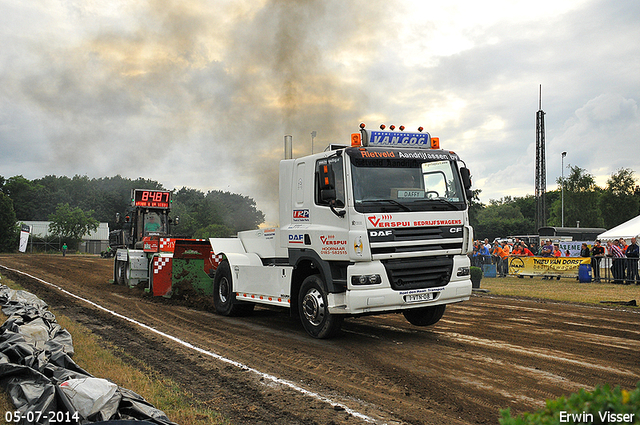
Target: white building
point(93, 243)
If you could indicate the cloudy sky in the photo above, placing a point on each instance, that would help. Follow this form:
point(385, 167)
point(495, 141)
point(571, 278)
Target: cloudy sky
point(200, 93)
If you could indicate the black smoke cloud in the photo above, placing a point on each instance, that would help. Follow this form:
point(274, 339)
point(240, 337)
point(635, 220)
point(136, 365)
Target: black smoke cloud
point(201, 94)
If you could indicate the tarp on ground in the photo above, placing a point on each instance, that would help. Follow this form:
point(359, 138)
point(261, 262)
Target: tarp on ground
point(45, 385)
point(627, 230)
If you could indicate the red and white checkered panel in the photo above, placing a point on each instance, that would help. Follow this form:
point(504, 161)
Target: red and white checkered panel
point(161, 262)
point(161, 279)
point(167, 244)
point(216, 259)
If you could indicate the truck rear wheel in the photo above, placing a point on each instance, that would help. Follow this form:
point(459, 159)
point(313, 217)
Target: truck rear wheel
point(425, 316)
point(314, 310)
point(224, 297)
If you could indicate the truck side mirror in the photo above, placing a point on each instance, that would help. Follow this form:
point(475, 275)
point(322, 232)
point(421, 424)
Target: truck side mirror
point(466, 177)
point(327, 180)
point(327, 195)
point(466, 181)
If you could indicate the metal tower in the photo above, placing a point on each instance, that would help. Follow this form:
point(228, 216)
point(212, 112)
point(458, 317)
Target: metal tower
point(541, 169)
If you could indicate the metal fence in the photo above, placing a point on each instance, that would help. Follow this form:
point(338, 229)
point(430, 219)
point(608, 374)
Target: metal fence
point(615, 270)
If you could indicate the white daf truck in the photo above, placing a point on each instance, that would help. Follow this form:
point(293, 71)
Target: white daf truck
point(380, 226)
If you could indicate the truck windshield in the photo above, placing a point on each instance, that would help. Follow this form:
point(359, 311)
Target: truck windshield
point(391, 180)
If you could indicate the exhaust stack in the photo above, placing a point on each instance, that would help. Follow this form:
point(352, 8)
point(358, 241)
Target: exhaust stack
point(288, 147)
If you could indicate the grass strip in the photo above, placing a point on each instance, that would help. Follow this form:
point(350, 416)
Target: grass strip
point(564, 289)
point(103, 360)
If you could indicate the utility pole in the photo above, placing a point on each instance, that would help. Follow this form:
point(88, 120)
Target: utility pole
point(563, 155)
point(541, 171)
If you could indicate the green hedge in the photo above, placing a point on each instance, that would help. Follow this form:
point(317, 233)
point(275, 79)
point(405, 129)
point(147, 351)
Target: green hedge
point(603, 405)
point(476, 273)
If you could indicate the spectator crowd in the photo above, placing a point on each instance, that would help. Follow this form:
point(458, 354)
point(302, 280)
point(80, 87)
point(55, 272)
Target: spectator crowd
point(620, 256)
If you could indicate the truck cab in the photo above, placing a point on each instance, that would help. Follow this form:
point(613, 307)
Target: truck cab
point(376, 227)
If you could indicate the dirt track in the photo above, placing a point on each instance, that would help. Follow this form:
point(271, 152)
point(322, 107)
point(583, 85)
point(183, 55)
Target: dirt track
point(484, 355)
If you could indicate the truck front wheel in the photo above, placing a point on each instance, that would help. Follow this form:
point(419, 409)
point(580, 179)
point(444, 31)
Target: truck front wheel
point(314, 310)
point(120, 272)
point(425, 316)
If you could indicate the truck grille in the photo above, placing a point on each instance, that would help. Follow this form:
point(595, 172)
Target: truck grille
point(418, 273)
point(424, 240)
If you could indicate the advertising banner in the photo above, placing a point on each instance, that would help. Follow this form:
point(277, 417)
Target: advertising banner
point(574, 247)
point(546, 266)
point(24, 238)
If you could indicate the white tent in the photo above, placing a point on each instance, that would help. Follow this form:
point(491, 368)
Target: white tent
point(627, 230)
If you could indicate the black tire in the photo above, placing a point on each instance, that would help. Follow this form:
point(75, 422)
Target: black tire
point(314, 311)
point(120, 272)
point(425, 316)
point(116, 263)
point(127, 274)
point(224, 297)
point(150, 274)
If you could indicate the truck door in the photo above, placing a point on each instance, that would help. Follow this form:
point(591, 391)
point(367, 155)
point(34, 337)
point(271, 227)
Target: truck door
point(329, 225)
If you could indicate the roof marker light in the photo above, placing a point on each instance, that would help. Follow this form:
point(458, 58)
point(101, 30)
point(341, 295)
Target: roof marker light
point(356, 139)
point(392, 127)
point(402, 128)
point(382, 126)
point(420, 129)
point(362, 125)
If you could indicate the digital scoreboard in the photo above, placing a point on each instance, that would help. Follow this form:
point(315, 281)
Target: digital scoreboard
point(151, 198)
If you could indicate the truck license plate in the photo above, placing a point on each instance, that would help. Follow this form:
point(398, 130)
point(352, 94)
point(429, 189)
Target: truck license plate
point(418, 297)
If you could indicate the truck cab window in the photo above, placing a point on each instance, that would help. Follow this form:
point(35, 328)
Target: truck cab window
point(439, 181)
point(338, 178)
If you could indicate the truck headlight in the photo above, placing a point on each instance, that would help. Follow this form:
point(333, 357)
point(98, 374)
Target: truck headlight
point(463, 271)
point(371, 279)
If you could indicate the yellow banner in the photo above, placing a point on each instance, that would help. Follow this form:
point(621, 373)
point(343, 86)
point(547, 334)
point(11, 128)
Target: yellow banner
point(553, 266)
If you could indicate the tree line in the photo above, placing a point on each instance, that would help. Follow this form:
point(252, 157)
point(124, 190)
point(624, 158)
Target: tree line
point(90, 201)
point(585, 205)
point(222, 214)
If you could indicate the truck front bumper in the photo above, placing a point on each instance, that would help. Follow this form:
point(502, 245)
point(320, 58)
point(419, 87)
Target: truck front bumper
point(381, 298)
